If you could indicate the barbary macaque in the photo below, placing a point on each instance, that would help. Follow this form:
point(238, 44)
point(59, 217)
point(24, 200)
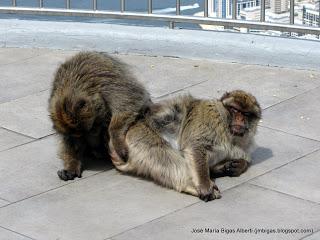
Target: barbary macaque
point(88, 91)
point(213, 137)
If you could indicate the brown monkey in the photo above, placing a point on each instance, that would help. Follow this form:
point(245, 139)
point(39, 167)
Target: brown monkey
point(213, 137)
point(89, 89)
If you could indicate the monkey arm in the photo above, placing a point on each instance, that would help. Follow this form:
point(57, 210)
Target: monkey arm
point(196, 157)
point(234, 164)
point(238, 153)
point(70, 153)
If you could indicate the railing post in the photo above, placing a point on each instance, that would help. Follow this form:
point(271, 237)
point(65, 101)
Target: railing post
point(122, 5)
point(171, 25)
point(263, 11)
point(94, 5)
point(291, 11)
point(40, 3)
point(149, 6)
point(234, 9)
point(319, 16)
point(177, 7)
point(14, 3)
point(68, 4)
point(206, 8)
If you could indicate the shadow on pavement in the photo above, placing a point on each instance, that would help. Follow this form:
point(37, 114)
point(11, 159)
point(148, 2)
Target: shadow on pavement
point(261, 154)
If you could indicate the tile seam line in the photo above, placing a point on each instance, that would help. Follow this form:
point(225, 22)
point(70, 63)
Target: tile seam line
point(180, 89)
point(232, 62)
point(176, 57)
point(170, 213)
point(283, 193)
point(227, 61)
point(52, 189)
point(290, 98)
point(28, 95)
point(309, 235)
point(196, 84)
point(18, 133)
point(292, 134)
point(190, 205)
point(31, 141)
point(150, 221)
point(240, 184)
point(17, 233)
point(292, 161)
point(5, 200)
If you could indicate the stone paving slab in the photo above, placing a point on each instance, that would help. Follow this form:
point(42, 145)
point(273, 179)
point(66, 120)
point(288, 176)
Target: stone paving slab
point(163, 75)
point(299, 178)
point(31, 169)
point(10, 139)
point(22, 76)
point(8, 235)
point(94, 208)
point(299, 116)
point(246, 206)
point(273, 149)
point(105, 203)
point(260, 81)
point(28, 115)
point(15, 55)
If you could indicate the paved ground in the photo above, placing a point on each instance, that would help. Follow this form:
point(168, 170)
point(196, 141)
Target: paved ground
point(280, 190)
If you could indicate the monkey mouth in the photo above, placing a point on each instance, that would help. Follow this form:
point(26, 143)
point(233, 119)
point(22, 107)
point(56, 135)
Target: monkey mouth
point(237, 130)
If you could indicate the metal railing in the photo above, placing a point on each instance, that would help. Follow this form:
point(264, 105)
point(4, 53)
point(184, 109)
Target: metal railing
point(171, 19)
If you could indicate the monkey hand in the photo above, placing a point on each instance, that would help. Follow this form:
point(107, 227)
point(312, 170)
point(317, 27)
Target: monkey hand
point(209, 193)
point(234, 168)
point(68, 174)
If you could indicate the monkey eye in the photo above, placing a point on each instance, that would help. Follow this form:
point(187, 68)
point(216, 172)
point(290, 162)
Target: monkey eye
point(234, 109)
point(247, 114)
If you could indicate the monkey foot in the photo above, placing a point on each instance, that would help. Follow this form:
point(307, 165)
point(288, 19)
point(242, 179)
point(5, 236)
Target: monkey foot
point(121, 148)
point(210, 194)
point(67, 175)
point(123, 154)
point(234, 168)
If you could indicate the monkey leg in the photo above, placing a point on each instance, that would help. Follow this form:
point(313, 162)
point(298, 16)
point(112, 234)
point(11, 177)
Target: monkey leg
point(231, 168)
point(72, 164)
point(118, 128)
point(207, 189)
point(152, 157)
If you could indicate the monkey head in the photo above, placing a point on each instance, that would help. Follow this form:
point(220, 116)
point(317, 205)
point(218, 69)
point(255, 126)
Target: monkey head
point(73, 114)
point(244, 112)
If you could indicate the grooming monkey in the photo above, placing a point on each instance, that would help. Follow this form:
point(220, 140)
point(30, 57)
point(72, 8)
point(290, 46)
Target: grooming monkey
point(213, 138)
point(89, 90)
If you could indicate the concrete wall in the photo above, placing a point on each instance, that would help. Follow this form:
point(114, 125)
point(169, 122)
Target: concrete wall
point(221, 46)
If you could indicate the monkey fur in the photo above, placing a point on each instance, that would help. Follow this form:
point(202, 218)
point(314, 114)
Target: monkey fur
point(88, 90)
point(212, 141)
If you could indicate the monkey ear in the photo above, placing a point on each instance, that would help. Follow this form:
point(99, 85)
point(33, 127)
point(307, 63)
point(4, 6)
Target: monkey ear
point(257, 110)
point(224, 96)
point(227, 101)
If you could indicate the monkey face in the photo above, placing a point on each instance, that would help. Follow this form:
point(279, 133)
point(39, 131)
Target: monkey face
point(244, 112)
point(239, 123)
